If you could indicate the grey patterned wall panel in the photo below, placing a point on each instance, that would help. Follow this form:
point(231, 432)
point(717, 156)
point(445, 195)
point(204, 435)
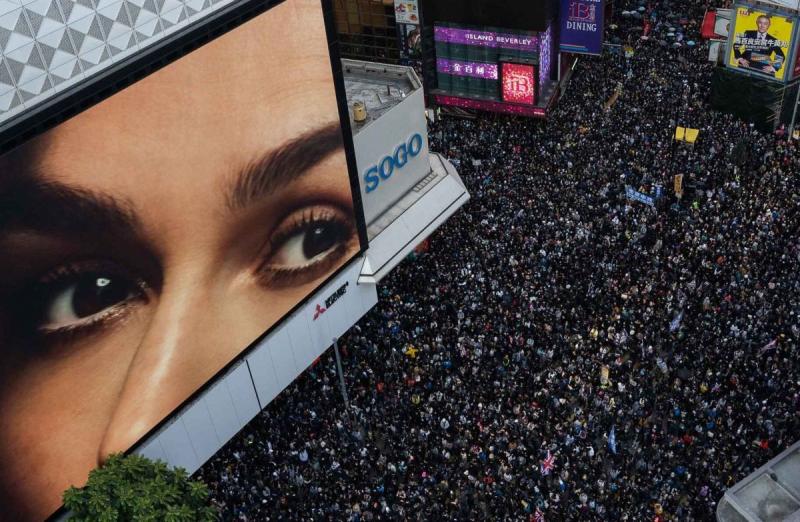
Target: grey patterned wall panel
point(47, 46)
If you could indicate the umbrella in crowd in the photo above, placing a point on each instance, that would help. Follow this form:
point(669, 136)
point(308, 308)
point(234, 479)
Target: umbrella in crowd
point(475, 383)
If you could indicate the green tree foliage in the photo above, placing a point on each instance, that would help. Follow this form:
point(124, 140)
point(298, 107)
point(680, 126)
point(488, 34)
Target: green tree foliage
point(134, 488)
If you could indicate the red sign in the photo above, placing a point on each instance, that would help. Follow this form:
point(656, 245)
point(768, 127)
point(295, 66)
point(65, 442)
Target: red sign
point(519, 83)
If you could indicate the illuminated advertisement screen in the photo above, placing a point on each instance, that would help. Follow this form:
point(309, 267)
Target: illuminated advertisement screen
point(151, 239)
point(582, 26)
point(518, 83)
point(468, 58)
point(760, 42)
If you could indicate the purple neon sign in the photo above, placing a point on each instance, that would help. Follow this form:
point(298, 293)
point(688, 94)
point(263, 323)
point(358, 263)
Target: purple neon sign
point(486, 71)
point(493, 106)
point(544, 55)
point(519, 42)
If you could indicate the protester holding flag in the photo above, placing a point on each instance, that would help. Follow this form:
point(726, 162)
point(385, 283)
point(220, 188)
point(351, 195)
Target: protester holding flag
point(612, 440)
point(547, 464)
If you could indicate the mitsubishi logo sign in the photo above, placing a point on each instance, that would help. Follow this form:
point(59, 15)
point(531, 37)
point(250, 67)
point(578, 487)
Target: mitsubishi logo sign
point(330, 300)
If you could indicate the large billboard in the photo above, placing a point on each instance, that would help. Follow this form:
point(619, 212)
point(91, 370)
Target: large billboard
point(582, 26)
point(468, 59)
point(150, 240)
point(760, 42)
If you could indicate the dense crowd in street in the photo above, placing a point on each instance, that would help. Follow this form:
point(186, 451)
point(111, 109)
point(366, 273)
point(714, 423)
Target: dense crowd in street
point(560, 350)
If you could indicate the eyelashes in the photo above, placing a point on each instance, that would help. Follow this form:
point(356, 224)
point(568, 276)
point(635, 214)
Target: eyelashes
point(83, 298)
point(78, 298)
point(306, 245)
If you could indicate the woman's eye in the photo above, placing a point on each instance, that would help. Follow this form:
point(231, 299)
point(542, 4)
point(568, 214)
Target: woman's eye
point(307, 244)
point(314, 240)
point(83, 298)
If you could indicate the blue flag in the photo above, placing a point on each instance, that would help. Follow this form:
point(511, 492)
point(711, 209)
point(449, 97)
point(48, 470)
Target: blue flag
point(676, 322)
point(612, 440)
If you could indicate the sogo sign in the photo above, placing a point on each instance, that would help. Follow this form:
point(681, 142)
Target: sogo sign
point(387, 166)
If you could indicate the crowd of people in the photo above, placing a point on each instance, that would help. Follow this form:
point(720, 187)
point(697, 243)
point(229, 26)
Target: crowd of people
point(561, 352)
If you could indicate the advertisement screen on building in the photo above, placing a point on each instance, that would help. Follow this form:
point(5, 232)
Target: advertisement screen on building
point(468, 59)
point(406, 16)
point(582, 26)
point(760, 42)
point(519, 83)
point(406, 12)
point(151, 239)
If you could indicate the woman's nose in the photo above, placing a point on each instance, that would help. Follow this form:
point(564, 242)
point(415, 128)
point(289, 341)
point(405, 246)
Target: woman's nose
point(179, 351)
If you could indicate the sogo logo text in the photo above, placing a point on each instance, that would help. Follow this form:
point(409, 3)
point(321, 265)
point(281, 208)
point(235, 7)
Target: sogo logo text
point(386, 167)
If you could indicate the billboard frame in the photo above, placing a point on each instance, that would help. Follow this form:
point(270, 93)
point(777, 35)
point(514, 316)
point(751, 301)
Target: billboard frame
point(103, 85)
point(793, 48)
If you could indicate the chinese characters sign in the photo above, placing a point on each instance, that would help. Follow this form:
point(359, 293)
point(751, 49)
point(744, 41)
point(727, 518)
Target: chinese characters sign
point(486, 71)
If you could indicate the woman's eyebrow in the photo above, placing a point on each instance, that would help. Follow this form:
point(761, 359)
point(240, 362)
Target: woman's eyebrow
point(29, 204)
point(284, 164)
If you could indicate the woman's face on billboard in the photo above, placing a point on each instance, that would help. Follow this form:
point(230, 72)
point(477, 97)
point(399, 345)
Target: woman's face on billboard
point(150, 239)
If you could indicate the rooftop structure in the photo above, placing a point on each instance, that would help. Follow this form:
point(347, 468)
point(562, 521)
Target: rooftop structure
point(379, 86)
point(406, 191)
